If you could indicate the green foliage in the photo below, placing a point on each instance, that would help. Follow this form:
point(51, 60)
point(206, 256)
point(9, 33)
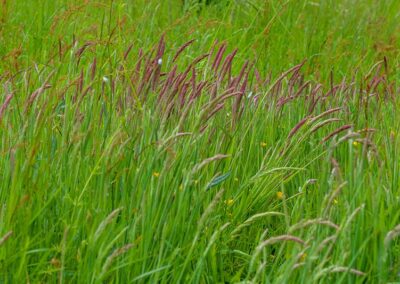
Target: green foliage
point(123, 161)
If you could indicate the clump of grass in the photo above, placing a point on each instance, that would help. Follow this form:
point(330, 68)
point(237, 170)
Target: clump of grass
point(231, 161)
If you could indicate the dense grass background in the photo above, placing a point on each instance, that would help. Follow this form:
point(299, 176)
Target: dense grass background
point(107, 177)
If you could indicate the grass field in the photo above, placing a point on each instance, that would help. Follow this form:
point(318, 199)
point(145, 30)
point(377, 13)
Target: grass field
point(179, 141)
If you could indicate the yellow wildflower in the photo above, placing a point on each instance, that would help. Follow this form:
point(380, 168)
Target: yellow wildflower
point(229, 202)
point(156, 174)
point(303, 257)
point(335, 201)
point(138, 239)
point(356, 143)
point(55, 262)
point(263, 144)
point(279, 195)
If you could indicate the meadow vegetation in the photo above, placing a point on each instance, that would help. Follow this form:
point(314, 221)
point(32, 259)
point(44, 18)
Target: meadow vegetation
point(229, 141)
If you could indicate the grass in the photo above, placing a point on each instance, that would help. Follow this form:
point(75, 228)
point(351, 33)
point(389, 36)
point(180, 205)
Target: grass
point(265, 150)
